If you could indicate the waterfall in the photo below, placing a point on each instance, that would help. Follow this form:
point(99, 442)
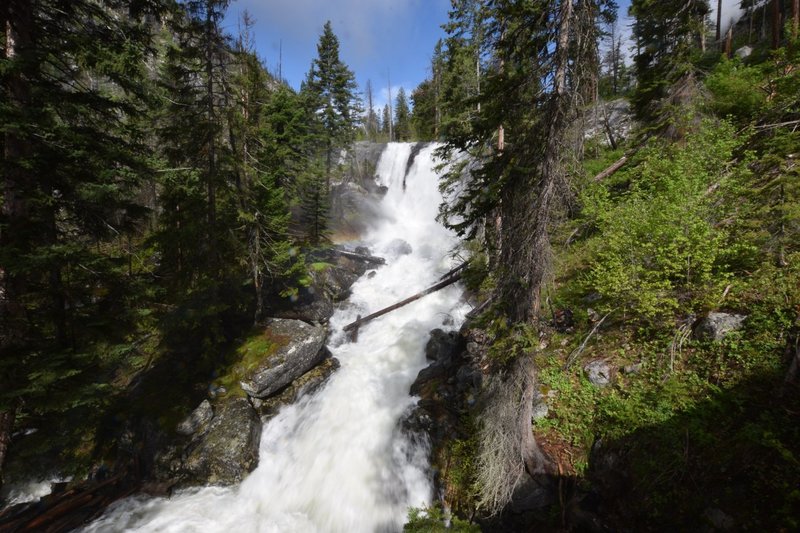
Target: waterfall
point(337, 460)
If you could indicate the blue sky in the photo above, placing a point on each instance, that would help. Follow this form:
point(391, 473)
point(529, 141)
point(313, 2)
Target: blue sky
point(378, 38)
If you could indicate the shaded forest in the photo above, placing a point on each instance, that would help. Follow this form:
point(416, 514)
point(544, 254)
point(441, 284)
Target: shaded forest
point(163, 192)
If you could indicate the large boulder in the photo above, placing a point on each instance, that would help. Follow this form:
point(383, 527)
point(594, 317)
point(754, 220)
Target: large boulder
point(599, 373)
point(226, 450)
point(308, 383)
point(441, 344)
point(331, 276)
point(296, 348)
point(716, 326)
point(197, 420)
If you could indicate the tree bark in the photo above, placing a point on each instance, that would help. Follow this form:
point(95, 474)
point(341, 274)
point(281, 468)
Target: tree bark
point(618, 164)
point(441, 285)
point(719, 21)
point(211, 179)
point(795, 18)
point(7, 418)
point(776, 24)
point(16, 17)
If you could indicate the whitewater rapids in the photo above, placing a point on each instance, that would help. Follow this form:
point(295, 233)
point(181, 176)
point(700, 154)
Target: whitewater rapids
point(336, 461)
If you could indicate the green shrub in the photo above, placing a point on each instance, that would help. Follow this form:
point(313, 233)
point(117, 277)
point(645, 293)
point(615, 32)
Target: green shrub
point(735, 89)
point(432, 520)
point(658, 244)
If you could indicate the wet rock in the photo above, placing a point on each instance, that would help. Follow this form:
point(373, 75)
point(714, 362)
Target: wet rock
point(308, 383)
point(332, 275)
point(296, 348)
point(598, 372)
point(371, 274)
point(441, 344)
point(197, 420)
point(362, 250)
point(716, 326)
point(228, 450)
point(352, 207)
point(399, 247)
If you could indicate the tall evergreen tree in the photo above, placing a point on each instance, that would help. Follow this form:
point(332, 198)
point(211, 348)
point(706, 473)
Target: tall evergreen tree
point(666, 34)
point(260, 123)
point(402, 117)
point(532, 99)
point(72, 77)
point(331, 87)
point(386, 123)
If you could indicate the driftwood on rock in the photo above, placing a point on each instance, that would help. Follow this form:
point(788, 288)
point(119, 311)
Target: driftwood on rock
point(441, 285)
point(361, 257)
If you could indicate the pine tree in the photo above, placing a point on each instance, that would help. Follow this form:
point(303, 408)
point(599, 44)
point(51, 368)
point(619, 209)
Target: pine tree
point(331, 87)
point(386, 123)
point(72, 78)
point(423, 117)
point(402, 117)
point(264, 134)
point(532, 99)
point(666, 34)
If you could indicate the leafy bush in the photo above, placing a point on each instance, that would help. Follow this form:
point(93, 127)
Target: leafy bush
point(432, 520)
point(735, 89)
point(658, 243)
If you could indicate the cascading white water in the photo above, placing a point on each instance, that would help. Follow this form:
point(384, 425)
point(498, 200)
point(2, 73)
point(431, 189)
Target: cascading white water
point(336, 460)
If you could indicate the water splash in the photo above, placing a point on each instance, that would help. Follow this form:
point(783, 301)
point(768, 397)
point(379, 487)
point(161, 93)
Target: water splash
point(336, 460)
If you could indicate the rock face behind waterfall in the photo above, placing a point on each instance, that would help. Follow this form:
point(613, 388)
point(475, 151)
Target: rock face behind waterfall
point(355, 200)
point(298, 348)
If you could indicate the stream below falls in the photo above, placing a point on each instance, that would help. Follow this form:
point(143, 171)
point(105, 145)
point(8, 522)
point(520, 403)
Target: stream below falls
point(337, 460)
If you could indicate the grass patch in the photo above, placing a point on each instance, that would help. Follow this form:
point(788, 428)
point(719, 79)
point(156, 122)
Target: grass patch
point(246, 358)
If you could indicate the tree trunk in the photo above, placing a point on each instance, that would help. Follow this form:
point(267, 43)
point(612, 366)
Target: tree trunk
point(795, 18)
point(211, 179)
point(6, 429)
point(776, 24)
point(16, 17)
point(729, 43)
point(719, 21)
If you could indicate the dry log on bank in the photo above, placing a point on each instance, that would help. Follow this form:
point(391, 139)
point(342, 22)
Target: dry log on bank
point(441, 285)
point(618, 164)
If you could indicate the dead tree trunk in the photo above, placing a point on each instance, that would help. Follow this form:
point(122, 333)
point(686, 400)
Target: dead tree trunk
point(362, 257)
point(776, 24)
point(618, 164)
point(441, 285)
